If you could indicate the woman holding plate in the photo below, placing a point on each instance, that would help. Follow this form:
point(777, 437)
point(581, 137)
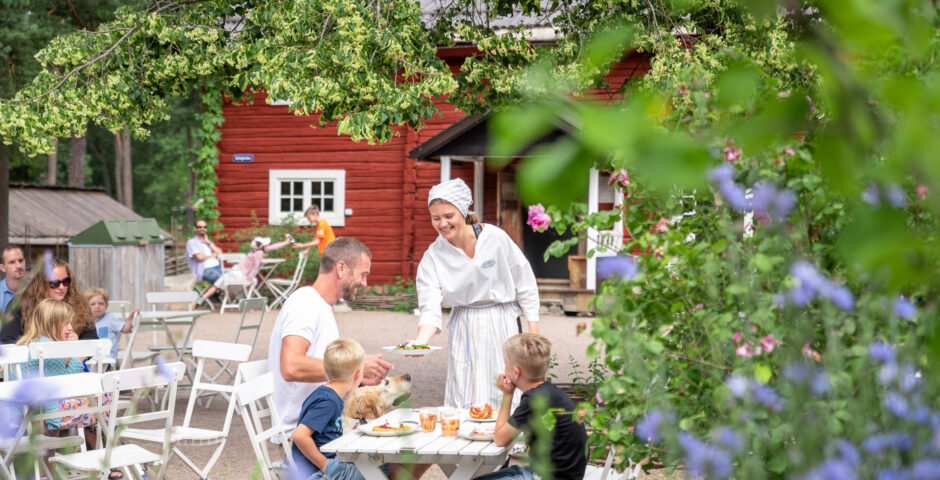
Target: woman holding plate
point(482, 275)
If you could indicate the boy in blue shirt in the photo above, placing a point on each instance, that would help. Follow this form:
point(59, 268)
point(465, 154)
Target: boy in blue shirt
point(321, 415)
point(107, 324)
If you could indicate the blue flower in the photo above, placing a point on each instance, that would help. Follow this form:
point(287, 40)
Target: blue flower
point(767, 396)
point(734, 194)
point(895, 196)
point(704, 460)
point(926, 470)
point(808, 276)
point(722, 173)
point(163, 370)
point(882, 352)
point(849, 453)
point(820, 384)
point(908, 379)
point(48, 266)
point(773, 203)
point(33, 392)
point(729, 438)
point(648, 428)
point(870, 195)
point(886, 441)
point(891, 474)
point(801, 295)
point(840, 296)
point(738, 385)
point(622, 266)
point(796, 372)
point(887, 373)
point(832, 469)
point(904, 308)
point(897, 404)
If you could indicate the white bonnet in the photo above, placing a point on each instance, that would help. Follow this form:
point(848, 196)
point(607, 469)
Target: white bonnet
point(258, 243)
point(455, 192)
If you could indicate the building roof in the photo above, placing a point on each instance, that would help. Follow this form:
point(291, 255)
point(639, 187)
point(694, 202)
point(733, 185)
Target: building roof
point(49, 215)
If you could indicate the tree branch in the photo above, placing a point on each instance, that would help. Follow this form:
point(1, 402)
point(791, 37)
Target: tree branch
point(75, 15)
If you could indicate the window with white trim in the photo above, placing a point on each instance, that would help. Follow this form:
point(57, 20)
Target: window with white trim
point(290, 192)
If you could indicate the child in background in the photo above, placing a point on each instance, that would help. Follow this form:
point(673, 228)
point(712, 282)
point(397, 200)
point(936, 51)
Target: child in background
point(322, 231)
point(527, 357)
point(107, 324)
point(246, 271)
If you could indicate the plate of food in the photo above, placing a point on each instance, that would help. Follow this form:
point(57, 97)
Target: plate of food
point(482, 413)
point(388, 428)
point(475, 431)
point(412, 350)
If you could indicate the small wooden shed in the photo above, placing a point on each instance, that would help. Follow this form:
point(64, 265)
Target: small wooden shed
point(125, 257)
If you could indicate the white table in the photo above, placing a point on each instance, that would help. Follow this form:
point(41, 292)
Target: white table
point(461, 459)
point(268, 265)
point(164, 319)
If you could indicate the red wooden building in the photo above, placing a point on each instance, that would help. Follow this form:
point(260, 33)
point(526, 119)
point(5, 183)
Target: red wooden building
point(272, 164)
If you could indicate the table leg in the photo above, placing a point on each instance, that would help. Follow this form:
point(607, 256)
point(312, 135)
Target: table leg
point(466, 469)
point(368, 466)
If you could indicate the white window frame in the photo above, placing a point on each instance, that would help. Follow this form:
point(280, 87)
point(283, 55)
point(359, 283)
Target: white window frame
point(336, 218)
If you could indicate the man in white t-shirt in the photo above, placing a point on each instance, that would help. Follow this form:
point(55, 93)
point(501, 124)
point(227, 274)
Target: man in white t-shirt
point(305, 326)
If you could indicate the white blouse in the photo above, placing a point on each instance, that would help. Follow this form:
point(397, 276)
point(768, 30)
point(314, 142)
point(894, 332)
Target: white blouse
point(498, 273)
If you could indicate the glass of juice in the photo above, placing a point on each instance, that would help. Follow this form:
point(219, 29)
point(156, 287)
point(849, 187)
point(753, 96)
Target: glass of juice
point(450, 422)
point(428, 416)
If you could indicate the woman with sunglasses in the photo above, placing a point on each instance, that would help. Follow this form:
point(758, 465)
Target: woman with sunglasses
point(61, 286)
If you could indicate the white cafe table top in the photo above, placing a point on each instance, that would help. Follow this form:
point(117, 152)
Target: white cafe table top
point(171, 314)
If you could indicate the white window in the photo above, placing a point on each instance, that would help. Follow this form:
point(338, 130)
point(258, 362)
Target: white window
point(290, 192)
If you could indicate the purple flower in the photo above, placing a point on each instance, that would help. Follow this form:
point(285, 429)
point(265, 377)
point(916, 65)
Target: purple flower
point(895, 196)
point(704, 460)
point(738, 385)
point(767, 397)
point(882, 352)
point(840, 296)
point(729, 438)
point(538, 219)
point(896, 404)
point(849, 453)
point(622, 266)
point(871, 195)
point(904, 308)
point(722, 173)
point(806, 273)
point(796, 372)
point(48, 266)
point(734, 195)
point(800, 296)
point(163, 370)
point(820, 384)
point(888, 373)
point(648, 428)
point(832, 469)
point(887, 441)
point(33, 392)
point(908, 379)
point(928, 469)
point(772, 203)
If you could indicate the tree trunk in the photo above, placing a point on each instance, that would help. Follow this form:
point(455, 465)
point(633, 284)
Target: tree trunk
point(118, 163)
point(52, 164)
point(4, 194)
point(190, 215)
point(127, 177)
point(77, 147)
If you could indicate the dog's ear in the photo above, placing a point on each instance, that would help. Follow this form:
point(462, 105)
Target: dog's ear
point(370, 406)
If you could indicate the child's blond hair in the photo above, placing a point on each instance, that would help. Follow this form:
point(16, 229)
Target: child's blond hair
point(342, 358)
point(530, 352)
point(97, 292)
point(47, 320)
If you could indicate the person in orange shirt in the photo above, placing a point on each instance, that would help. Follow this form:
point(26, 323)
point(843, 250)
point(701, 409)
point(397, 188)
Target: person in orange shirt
point(323, 232)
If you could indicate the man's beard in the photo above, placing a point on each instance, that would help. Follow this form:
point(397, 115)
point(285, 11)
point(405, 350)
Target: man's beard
point(349, 291)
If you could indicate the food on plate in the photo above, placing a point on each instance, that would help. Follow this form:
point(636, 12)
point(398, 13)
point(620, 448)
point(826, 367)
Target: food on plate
point(481, 412)
point(483, 430)
point(405, 346)
point(391, 426)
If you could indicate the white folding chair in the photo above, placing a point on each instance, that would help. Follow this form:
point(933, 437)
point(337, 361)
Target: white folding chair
point(230, 289)
point(282, 287)
point(250, 396)
point(119, 307)
point(164, 300)
point(98, 349)
point(139, 381)
point(185, 435)
point(12, 357)
point(129, 358)
point(247, 307)
point(251, 370)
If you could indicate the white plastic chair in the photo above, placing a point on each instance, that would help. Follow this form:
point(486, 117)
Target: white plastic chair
point(185, 435)
point(139, 381)
point(282, 287)
point(250, 395)
point(12, 358)
point(129, 358)
point(41, 351)
point(247, 307)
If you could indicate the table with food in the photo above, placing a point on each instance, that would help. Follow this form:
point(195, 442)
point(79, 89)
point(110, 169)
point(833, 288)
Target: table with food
point(460, 441)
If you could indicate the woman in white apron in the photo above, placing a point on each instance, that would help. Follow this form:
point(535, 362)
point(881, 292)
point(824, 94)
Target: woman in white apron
point(482, 275)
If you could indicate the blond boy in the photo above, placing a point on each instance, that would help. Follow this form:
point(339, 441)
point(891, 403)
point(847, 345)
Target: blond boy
point(527, 357)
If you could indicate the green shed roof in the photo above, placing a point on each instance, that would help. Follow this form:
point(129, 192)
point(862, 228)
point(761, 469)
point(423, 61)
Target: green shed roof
point(120, 232)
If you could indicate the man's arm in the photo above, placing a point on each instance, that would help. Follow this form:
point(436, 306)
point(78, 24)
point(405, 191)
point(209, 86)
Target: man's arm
point(303, 439)
point(374, 370)
point(296, 366)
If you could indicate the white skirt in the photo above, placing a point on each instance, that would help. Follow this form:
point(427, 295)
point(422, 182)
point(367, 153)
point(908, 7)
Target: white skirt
point(477, 335)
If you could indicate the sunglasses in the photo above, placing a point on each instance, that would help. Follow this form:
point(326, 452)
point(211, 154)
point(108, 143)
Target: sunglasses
point(65, 281)
point(201, 226)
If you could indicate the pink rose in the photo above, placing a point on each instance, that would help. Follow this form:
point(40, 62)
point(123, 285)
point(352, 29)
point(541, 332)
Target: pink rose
point(789, 151)
point(538, 219)
point(921, 192)
point(737, 337)
point(662, 226)
point(745, 350)
point(620, 176)
point(731, 154)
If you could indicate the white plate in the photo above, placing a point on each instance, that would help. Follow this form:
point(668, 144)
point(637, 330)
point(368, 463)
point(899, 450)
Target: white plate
point(367, 429)
point(412, 353)
point(468, 418)
point(466, 431)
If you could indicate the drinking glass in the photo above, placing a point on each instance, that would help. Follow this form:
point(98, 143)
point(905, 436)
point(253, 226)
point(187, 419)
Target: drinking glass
point(450, 422)
point(428, 418)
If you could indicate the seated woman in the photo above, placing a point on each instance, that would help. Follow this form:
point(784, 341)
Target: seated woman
point(59, 285)
point(245, 272)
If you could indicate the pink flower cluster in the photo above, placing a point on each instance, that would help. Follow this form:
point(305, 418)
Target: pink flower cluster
point(749, 350)
point(538, 219)
point(731, 154)
point(621, 177)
